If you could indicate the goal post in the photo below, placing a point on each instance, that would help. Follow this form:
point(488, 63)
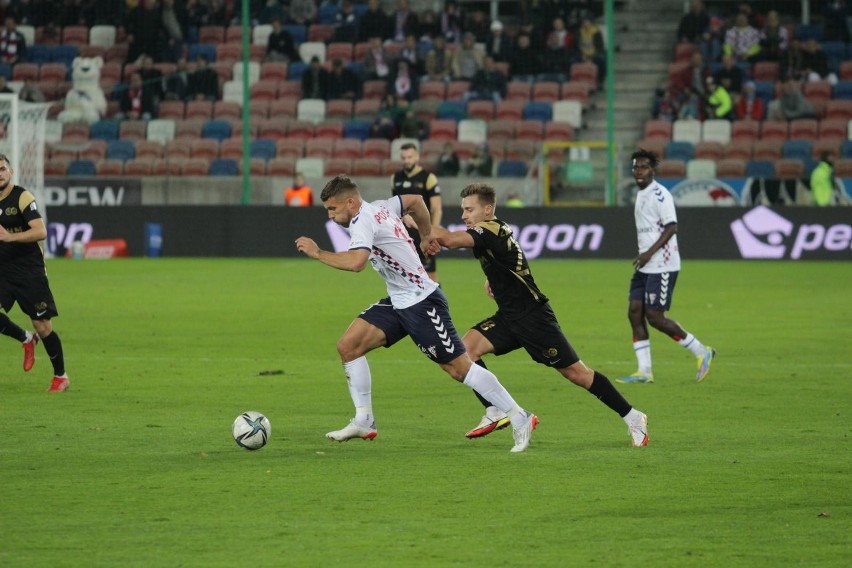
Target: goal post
point(576, 173)
point(22, 140)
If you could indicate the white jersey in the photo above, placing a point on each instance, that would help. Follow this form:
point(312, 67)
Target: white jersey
point(654, 210)
point(378, 228)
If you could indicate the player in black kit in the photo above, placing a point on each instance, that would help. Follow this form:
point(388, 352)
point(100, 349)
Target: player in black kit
point(524, 318)
point(23, 276)
point(413, 179)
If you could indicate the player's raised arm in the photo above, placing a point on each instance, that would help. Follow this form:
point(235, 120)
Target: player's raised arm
point(452, 239)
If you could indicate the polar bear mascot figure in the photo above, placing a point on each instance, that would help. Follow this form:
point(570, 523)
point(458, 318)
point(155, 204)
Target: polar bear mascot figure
point(85, 102)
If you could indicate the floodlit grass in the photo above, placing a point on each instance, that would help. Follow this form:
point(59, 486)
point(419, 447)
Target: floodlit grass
point(135, 465)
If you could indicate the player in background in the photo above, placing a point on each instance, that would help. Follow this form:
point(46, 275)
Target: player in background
point(412, 179)
point(415, 305)
point(23, 275)
point(524, 318)
point(655, 275)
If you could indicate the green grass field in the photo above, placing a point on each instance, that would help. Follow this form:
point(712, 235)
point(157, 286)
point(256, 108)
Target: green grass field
point(135, 465)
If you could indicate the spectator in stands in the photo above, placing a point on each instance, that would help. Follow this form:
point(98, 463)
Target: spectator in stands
point(403, 82)
point(174, 24)
point(556, 60)
point(412, 126)
point(694, 23)
point(774, 38)
point(718, 102)
point(137, 100)
point(489, 84)
point(690, 105)
point(152, 77)
point(203, 81)
point(145, 30)
point(216, 15)
point(467, 60)
point(280, 45)
point(750, 106)
point(591, 46)
point(30, 92)
point(537, 38)
point(374, 23)
point(666, 104)
point(410, 54)
point(376, 60)
point(695, 76)
point(835, 26)
point(177, 84)
point(343, 83)
point(792, 62)
point(790, 104)
point(404, 22)
point(386, 123)
point(729, 75)
point(710, 43)
point(822, 182)
point(815, 63)
point(303, 12)
point(448, 164)
point(299, 194)
point(497, 44)
point(429, 27)
point(481, 163)
point(439, 61)
point(742, 40)
point(196, 16)
point(524, 62)
point(478, 25)
point(452, 22)
point(270, 10)
point(315, 80)
point(513, 199)
point(345, 23)
point(4, 87)
point(13, 46)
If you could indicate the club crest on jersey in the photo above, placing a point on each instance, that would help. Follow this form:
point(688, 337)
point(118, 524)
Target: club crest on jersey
point(406, 184)
point(431, 351)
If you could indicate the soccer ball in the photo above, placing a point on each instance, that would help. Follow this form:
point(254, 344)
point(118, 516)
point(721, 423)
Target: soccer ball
point(251, 430)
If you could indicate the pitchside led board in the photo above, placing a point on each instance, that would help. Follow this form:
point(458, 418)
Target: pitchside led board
point(759, 233)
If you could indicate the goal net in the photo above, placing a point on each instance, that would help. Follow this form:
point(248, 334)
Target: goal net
point(22, 127)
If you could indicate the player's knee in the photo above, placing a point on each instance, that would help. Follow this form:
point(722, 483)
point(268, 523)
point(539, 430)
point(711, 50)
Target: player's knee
point(657, 320)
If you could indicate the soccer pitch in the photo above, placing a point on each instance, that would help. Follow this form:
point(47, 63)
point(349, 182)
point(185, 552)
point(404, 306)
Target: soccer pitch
point(135, 464)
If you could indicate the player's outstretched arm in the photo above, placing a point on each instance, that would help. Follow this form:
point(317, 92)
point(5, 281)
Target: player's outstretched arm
point(453, 239)
point(351, 260)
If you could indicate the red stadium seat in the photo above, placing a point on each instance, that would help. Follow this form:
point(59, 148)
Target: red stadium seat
point(332, 128)
point(671, 169)
point(774, 130)
point(547, 91)
point(318, 148)
point(285, 107)
point(347, 148)
point(339, 108)
point(456, 90)
point(366, 167)
point(518, 91)
point(561, 131)
point(337, 166)
point(376, 149)
point(274, 128)
point(139, 167)
point(709, 151)
point(789, 169)
point(433, 90)
point(747, 130)
point(803, 129)
point(291, 148)
point(483, 110)
point(149, 149)
point(502, 129)
point(658, 129)
point(529, 130)
point(206, 148)
point(730, 168)
point(281, 167)
point(132, 130)
point(509, 110)
point(767, 149)
point(105, 168)
point(442, 129)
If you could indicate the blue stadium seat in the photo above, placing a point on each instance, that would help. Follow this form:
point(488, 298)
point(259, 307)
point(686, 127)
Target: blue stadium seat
point(104, 130)
point(512, 168)
point(39, 53)
point(843, 90)
point(797, 150)
point(358, 129)
point(680, 151)
point(120, 150)
point(805, 32)
point(327, 14)
point(81, 168)
point(6, 71)
point(298, 32)
point(357, 68)
point(216, 129)
point(206, 49)
point(452, 110)
point(64, 54)
point(263, 149)
point(835, 51)
point(810, 166)
point(223, 167)
point(760, 168)
point(846, 150)
point(295, 70)
point(538, 110)
point(765, 90)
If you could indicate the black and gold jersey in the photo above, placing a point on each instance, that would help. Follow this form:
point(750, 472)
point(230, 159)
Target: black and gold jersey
point(418, 182)
point(19, 259)
point(506, 268)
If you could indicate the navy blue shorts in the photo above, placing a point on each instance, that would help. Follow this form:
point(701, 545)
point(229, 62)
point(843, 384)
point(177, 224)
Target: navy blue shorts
point(654, 290)
point(427, 322)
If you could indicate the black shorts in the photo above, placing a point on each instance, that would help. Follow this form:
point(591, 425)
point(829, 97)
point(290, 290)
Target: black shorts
point(32, 294)
point(427, 322)
point(656, 291)
point(538, 332)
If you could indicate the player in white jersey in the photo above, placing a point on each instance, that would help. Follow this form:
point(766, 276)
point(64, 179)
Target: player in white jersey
point(656, 270)
point(415, 306)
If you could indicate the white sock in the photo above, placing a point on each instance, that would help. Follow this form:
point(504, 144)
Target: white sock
point(359, 380)
point(643, 355)
point(29, 336)
point(485, 383)
point(632, 416)
point(691, 342)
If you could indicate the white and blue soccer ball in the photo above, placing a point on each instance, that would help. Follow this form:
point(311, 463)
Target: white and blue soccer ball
point(251, 430)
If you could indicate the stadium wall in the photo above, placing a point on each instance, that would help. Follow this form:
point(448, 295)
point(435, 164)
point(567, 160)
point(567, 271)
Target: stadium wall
point(795, 233)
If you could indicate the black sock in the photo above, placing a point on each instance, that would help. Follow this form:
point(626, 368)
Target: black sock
point(53, 346)
point(605, 392)
point(481, 398)
point(10, 328)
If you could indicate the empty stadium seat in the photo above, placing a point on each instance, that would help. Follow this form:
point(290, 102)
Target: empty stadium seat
point(104, 130)
point(686, 131)
point(570, 112)
point(95, 150)
point(376, 149)
point(765, 71)
point(263, 149)
point(311, 49)
point(442, 129)
point(547, 91)
point(829, 146)
point(774, 130)
point(206, 148)
point(223, 167)
point(803, 129)
point(311, 110)
point(346, 148)
point(451, 110)
point(149, 149)
point(716, 130)
point(339, 108)
point(433, 90)
point(339, 50)
point(701, 169)
point(559, 131)
point(122, 150)
point(81, 168)
point(789, 168)
point(161, 130)
point(760, 168)
point(709, 151)
point(529, 130)
point(366, 167)
point(730, 168)
point(538, 110)
point(132, 129)
point(512, 168)
point(767, 149)
point(519, 91)
point(177, 150)
point(281, 167)
point(109, 168)
point(671, 169)
point(359, 129)
point(276, 129)
point(289, 148)
point(680, 150)
point(797, 149)
point(472, 130)
point(139, 167)
point(456, 90)
point(216, 129)
point(748, 130)
point(658, 129)
point(374, 89)
point(329, 129)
